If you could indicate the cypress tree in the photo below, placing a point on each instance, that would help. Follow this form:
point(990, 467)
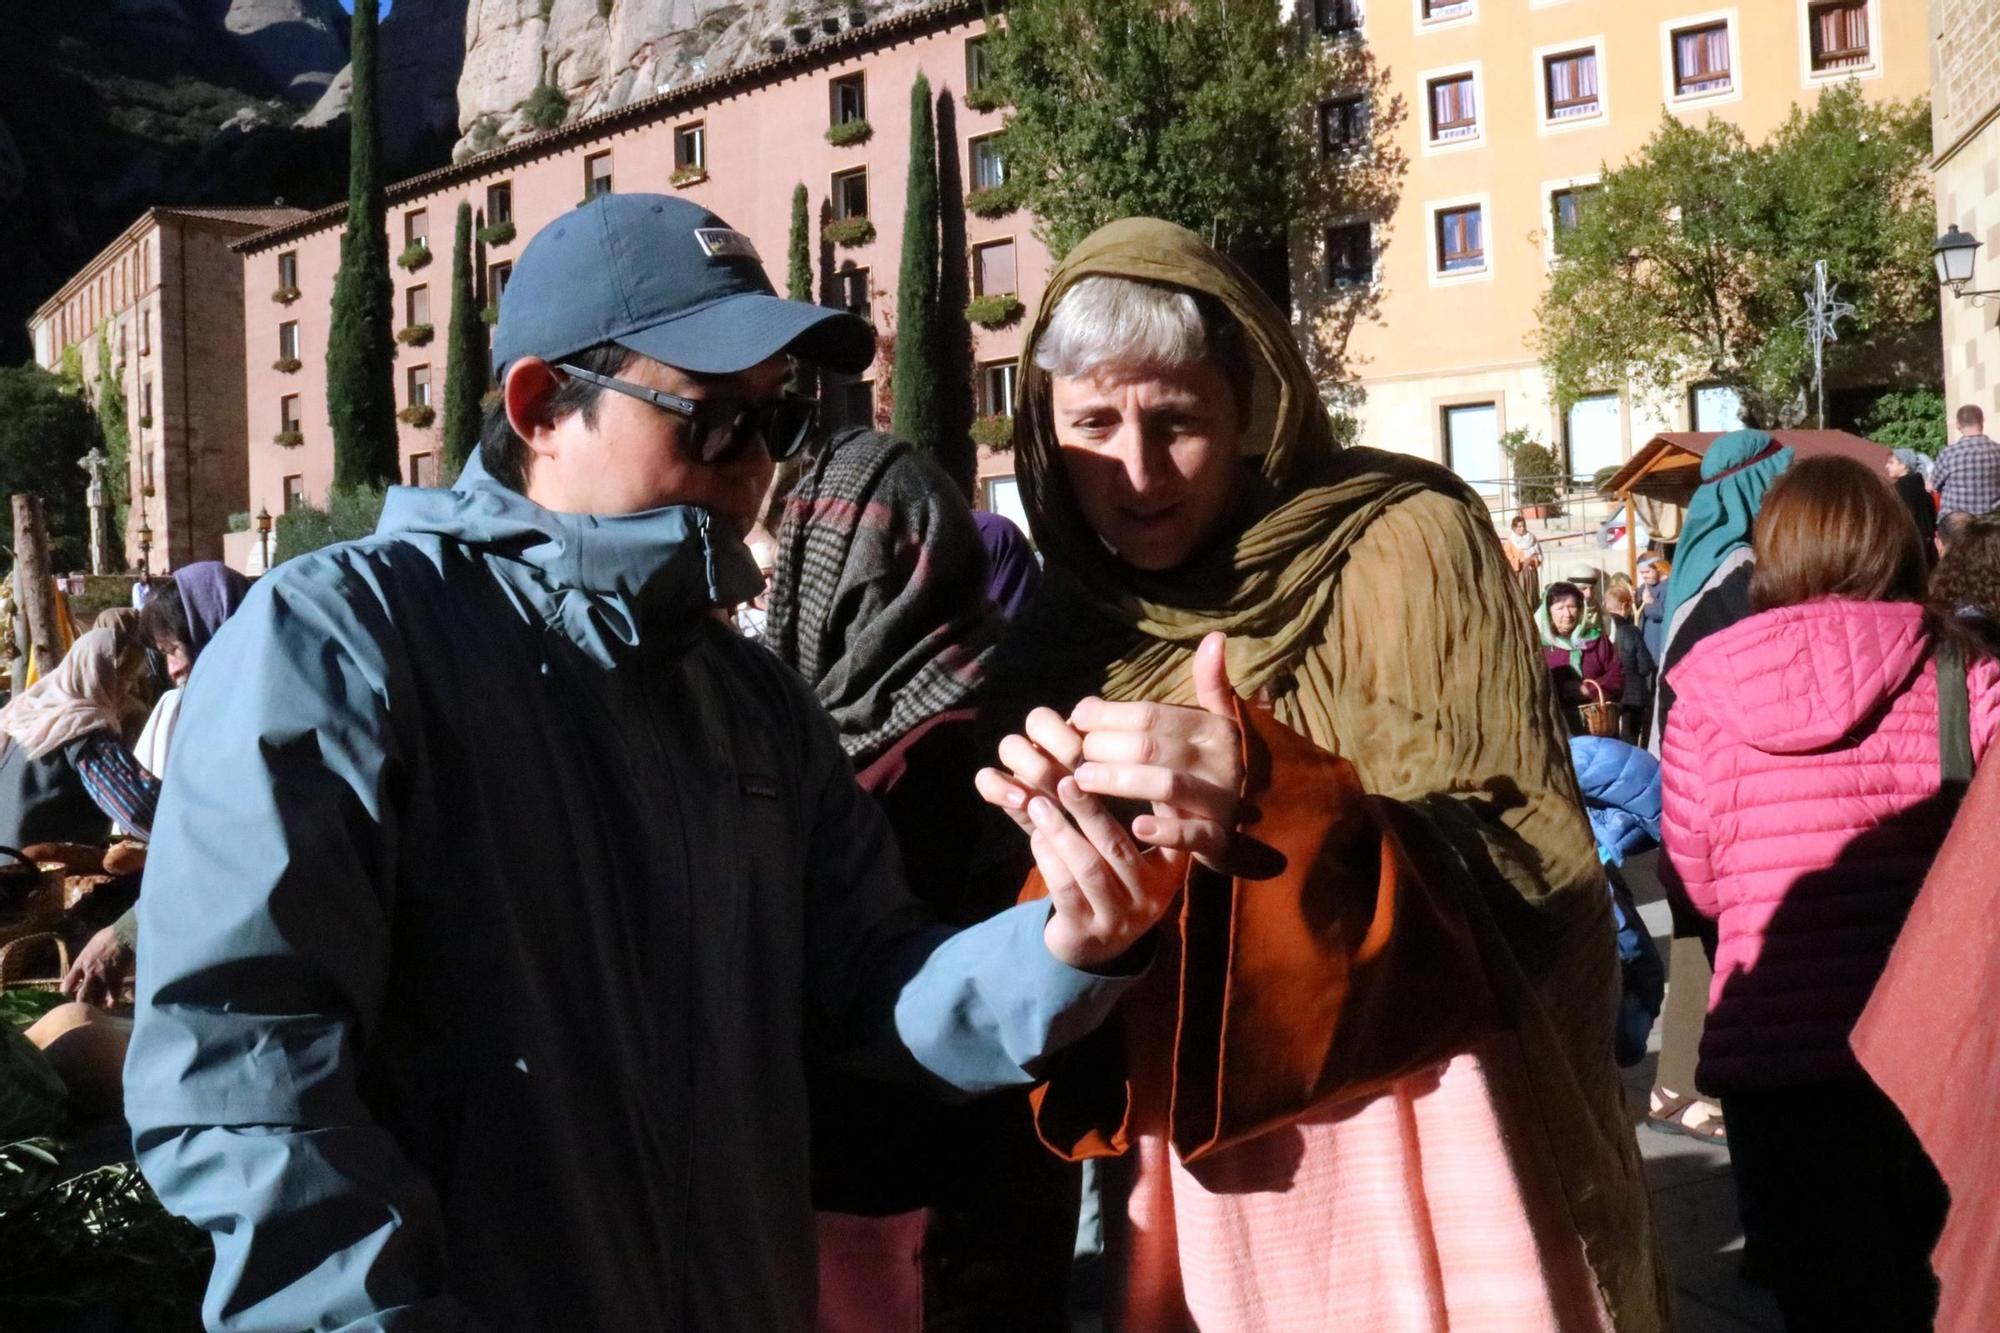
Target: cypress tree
point(921, 415)
point(465, 369)
point(360, 349)
point(799, 276)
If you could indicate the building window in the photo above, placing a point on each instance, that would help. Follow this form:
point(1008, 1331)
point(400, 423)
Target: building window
point(1454, 112)
point(145, 331)
point(850, 403)
point(295, 492)
point(691, 147)
point(1595, 430)
point(1460, 239)
point(1701, 60)
point(1435, 11)
point(1715, 407)
point(419, 386)
point(1333, 17)
point(145, 402)
point(1839, 35)
point(496, 281)
point(1570, 83)
point(996, 389)
point(417, 306)
point(993, 269)
point(989, 166)
point(596, 175)
point(423, 469)
point(288, 270)
point(417, 229)
point(288, 341)
point(978, 64)
point(1343, 124)
point(1566, 206)
point(1472, 444)
point(288, 413)
point(1350, 256)
point(499, 203)
point(852, 286)
point(850, 194)
point(849, 100)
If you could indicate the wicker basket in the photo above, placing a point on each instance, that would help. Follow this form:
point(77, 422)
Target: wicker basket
point(31, 896)
point(24, 962)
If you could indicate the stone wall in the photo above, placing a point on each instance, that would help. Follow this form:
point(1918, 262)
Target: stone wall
point(1965, 70)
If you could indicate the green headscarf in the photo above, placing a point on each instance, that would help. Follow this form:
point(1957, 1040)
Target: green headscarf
point(1586, 632)
point(1723, 514)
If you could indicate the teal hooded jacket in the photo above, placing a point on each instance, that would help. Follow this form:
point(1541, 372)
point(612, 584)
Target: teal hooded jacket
point(499, 899)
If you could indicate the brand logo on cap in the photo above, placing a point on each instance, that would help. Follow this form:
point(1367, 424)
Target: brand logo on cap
point(721, 243)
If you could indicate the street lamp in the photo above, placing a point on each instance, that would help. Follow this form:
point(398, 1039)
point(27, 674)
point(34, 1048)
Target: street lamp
point(1955, 254)
point(264, 536)
point(145, 548)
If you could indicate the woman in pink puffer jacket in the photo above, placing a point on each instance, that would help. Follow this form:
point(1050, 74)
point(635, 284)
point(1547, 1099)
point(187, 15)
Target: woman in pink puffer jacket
point(1802, 808)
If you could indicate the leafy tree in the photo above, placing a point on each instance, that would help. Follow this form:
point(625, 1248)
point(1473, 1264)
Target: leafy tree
point(1907, 419)
point(1690, 260)
point(112, 424)
point(43, 432)
point(1194, 113)
point(920, 415)
point(465, 371)
point(361, 349)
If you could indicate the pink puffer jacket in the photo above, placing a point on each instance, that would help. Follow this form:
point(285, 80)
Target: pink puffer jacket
point(1801, 779)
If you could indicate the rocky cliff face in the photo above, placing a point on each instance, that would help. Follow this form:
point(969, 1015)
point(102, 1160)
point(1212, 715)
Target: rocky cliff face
point(299, 45)
point(605, 54)
point(421, 46)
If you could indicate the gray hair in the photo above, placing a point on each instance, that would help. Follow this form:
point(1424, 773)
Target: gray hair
point(1122, 324)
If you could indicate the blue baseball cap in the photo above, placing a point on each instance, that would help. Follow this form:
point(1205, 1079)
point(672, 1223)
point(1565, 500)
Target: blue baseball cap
point(669, 280)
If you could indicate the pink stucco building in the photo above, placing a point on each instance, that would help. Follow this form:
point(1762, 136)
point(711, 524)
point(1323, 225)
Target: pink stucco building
point(736, 143)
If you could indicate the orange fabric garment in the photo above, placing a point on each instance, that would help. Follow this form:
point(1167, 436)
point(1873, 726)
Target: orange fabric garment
point(1930, 1038)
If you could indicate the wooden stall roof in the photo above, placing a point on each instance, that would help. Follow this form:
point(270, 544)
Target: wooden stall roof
point(1668, 467)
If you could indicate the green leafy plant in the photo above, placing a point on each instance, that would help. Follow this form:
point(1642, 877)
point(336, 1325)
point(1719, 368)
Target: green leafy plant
point(490, 313)
point(994, 310)
point(415, 255)
point(687, 175)
point(1537, 471)
point(420, 415)
point(1907, 419)
point(415, 335)
point(238, 522)
point(111, 420)
point(287, 365)
point(484, 136)
point(849, 132)
point(289, 439)
point(497, 233)
point(350, 513)
point(982, 98)
point(44, 429)
point(546, 107)
point(995, 201)
point(994, 432)
point(847, 232)
point(468, 366)
point(285, 295)
point(1688, 259)
point(146, 421)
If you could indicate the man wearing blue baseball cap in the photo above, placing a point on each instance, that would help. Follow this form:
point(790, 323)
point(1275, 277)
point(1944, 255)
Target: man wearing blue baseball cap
point(501, 895)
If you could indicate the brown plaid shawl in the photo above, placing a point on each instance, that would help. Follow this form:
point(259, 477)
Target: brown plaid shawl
point(879, 595)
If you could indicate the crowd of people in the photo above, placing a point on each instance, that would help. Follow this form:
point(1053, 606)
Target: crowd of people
point(829, 911)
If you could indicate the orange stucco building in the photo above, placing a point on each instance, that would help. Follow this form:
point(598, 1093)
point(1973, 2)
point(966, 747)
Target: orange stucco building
point(737, 144)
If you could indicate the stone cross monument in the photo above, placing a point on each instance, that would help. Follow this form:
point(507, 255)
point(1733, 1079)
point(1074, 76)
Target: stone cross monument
point(96, 463)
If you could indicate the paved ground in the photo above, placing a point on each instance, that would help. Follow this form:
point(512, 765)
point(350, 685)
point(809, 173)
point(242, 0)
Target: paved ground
point(1694, 1199)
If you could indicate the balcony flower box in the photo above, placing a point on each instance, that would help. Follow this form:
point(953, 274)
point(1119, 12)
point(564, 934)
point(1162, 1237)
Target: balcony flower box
point(420, 415)
point(982, 99)
point(287, 365)
point(289, 439)
point(995, 310)
point(995, 432)
point(497, 234)
point(994, 202)
point(414, 256)
point(849, 132)
point(285, 295)
point(415, 335)
point(145, 423)
point(848, 232)
point(687, 176)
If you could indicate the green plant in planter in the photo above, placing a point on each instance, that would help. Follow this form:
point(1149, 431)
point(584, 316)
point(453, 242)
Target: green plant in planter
point(146, 422)
point(289, 439)
point(993, 432)
point(1537, 471)
point(847, 132)
point(286, 364)
point(996, 202)
point(285, 295)
point(994, 310)
point(415, 335)
point(415, 255)
point(687, 176)
point(848, 231)
point(420, 415)
point(490, 313)
point(982, 99)
point(498, 233)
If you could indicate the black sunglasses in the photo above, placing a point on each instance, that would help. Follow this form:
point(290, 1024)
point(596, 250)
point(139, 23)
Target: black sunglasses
point(782, 425)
